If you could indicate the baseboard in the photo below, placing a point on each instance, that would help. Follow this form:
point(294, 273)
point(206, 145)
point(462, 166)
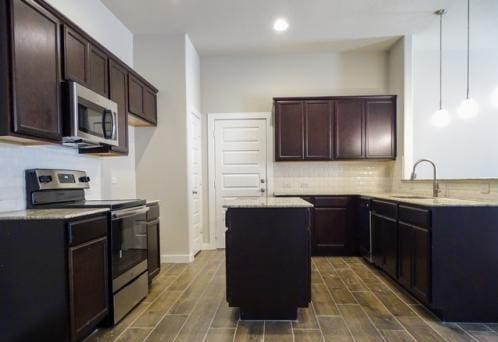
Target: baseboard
point(177, 258)
point(208, 247)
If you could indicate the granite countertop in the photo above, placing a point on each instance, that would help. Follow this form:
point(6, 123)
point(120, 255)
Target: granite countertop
point(268, 202)
point(401, 198)
point(50, 214)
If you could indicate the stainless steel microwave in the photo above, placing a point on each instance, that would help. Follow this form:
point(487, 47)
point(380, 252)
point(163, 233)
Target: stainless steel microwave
point(92, 118)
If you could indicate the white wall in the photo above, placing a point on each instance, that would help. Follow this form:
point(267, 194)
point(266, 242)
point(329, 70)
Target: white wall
point(247, 83)
point(465, 148)
point(161, 153)
point(93, 17)
point(100, 23)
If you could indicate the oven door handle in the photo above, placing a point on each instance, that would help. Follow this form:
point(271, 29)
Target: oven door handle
point(120, 214)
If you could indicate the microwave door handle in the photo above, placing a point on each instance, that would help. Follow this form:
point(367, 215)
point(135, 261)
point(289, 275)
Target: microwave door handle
point(104, 122)
point(114, 126)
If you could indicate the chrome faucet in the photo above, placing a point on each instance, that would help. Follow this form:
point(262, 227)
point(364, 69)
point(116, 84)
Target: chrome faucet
point(435, 184)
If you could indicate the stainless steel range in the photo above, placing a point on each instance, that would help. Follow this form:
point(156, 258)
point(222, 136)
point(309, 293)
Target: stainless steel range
point(46, 188)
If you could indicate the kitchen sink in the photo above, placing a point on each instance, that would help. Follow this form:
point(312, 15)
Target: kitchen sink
point(413, 197)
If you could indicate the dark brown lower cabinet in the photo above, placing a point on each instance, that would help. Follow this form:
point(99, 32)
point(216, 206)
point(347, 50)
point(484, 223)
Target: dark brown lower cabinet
point(332, 225)
point(414, 260)
point(153, 239)
point(54, 278)
point(88, 291)
point(385, 243)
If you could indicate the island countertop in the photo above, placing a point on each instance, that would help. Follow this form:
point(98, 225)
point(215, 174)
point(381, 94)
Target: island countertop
point(268, 202)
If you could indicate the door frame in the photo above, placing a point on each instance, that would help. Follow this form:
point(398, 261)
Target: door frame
point(212, 118)
point(193, 111)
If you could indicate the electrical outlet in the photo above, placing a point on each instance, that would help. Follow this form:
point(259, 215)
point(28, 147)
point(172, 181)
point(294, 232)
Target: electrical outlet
point(485, 188)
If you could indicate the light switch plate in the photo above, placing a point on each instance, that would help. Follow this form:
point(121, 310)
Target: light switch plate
point(114, 180)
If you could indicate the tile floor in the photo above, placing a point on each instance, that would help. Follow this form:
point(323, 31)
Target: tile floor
point(351, 302)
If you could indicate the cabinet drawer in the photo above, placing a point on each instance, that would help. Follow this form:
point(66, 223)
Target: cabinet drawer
point(86, 229)
point(153, 213)
point(332, 202)
point(415, 216)
point(385, 208)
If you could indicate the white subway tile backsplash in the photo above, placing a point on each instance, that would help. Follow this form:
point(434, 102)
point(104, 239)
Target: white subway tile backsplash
point(15, 159)
point(308, 177)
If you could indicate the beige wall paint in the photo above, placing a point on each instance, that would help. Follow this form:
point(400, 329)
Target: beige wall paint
point(247, 83)
point(161, 153)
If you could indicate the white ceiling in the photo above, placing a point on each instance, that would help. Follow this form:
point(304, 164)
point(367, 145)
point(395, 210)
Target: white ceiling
point(242, 26)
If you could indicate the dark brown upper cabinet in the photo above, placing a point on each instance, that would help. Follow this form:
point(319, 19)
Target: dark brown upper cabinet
point(142, 102)
point(75, 56)
point(289, 134)
point(98, 79)
point(335, 128)
point(318, 130)
point(349, 137)
point(118, 92)
point(85, 63)
point(380, 129)
point(29, 73)
point(40, 48)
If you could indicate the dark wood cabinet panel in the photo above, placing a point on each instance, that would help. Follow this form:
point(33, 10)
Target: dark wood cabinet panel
point(289, 125)
point(385, 243)
point(135, 96)
point(153, 252)
point(142, 102)
point(149, 105)
point(98, 71)
point(421, 264)
point(37, 87)
point(380, 129)
point(118, 92)
point(377, 241)
point(405, 250)
point(341, 127)
point(88, 292)
point(332, 231)
point(318, 130)
point(349, 137)
point(76, 54)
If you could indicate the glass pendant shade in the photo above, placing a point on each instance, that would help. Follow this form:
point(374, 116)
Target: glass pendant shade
point(469, 108)
point(494, 98)
point(441, 118)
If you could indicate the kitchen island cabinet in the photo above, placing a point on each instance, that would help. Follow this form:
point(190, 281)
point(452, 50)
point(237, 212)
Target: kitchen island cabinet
point(268, 261)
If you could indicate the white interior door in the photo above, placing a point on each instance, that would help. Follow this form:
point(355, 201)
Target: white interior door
point(240, 165)
point(196, 181)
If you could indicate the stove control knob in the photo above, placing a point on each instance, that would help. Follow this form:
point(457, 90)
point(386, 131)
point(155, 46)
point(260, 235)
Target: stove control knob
point(84, 179)
point(45, 179)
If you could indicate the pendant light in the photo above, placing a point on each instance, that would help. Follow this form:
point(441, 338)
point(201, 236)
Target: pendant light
point(441, 117)
point(469, 108)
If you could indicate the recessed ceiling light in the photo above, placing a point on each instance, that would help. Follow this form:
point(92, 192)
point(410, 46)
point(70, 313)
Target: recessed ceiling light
point(280, 25)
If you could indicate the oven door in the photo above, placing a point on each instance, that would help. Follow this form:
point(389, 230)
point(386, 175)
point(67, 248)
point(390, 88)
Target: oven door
point(93, 117)
point(128, 245)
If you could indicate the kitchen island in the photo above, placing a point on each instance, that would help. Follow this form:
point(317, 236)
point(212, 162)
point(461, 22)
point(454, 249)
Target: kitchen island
point(268, 259)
